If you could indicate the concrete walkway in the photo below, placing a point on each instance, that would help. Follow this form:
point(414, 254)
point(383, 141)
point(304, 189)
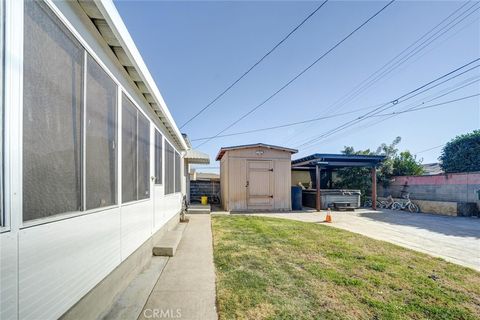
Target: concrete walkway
point(456, 239)
point(186, 287)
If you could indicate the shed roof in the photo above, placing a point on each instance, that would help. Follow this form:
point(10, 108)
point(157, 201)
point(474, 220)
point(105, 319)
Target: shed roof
point(107, 20)
point(254, 145)
point(329, 160)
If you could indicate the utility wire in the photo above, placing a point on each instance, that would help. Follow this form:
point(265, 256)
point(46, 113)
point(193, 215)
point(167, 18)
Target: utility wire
point(391, 65)
point(334, 115)
point(416, 49)
point(394, 102)
point(429, 149)
point(415, 106)
point(283, 125)
point(299, 74)
point(425, 107)
point(255, 64)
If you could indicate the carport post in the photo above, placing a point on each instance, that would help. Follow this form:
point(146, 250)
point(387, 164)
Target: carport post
point(317, 178)
point(374, 188)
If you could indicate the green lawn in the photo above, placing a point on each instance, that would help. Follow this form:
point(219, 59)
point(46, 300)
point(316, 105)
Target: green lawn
point(271, 268)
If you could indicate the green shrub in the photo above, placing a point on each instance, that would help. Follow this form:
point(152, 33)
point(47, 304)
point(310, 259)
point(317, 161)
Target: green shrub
point(462, 154)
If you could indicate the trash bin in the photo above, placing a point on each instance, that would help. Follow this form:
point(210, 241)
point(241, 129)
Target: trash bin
point(296, 198)
point(204, 200)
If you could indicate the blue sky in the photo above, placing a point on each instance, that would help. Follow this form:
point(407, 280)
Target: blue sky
point(194, 50)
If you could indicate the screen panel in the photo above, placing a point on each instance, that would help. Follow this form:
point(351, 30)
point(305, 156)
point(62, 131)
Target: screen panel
point(101, 137)
point(52, 97)
point(158, 157)
point(129, 150)
point(143, 157)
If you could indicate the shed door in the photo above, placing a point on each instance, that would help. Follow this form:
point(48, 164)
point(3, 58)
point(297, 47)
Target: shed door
point(260, 184)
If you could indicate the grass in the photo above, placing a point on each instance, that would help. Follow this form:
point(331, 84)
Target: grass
point(271, 268)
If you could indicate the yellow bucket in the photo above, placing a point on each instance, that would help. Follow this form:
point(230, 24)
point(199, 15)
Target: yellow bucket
point(204, 200)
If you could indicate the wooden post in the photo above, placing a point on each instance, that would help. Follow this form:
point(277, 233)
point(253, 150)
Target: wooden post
point(374, 188)
point(317, 177)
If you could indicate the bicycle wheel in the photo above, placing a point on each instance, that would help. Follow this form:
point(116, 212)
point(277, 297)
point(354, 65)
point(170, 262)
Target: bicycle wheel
point(396, 206)
point(412, 207)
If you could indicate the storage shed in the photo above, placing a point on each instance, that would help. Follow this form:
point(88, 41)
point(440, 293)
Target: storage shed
point(255, 177)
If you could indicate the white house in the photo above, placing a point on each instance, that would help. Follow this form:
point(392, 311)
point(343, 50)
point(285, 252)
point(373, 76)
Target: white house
point(92, 160)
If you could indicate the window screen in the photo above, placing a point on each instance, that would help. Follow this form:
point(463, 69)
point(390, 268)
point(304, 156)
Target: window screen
point(2, 217)
point(178, 181)
point(169, 169)
point(101, 138)
point(52, 96)
point(143, 157)
point(129, 150)
point(158, 157)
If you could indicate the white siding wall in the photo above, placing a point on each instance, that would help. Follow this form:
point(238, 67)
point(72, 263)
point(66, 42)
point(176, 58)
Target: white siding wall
point(46, 268)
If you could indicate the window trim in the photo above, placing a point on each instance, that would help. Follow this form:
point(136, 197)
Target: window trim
point(121, 90)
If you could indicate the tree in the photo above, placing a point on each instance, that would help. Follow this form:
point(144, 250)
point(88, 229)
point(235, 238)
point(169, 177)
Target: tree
point(395, 164)
point(462, 154)
point(406, 164)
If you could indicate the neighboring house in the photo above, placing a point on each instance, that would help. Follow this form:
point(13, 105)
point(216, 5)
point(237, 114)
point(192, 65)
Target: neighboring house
point(432, 169)
point(93, 160)
point(255, 177)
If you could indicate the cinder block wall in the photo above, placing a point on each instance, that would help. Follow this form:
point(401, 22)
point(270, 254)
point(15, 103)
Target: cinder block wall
point(200, 188)
point(456, 187)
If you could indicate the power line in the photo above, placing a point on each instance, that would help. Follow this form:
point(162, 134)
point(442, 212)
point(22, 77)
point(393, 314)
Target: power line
point(394, 102)
point(391, 65)
point(254, 65)
point(310, 120)
point(425, 107)
point(301, 73)
point(429, 149)
point(463, 84)
point(290, 124)
point(416, 49)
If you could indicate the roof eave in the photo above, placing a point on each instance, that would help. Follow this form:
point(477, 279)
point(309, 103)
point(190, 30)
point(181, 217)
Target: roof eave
point(110, 14)
point(222, 151)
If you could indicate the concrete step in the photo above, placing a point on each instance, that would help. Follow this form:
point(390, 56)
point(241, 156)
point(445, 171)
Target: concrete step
point(199, 209)
point(131, 301)
point(169, 242)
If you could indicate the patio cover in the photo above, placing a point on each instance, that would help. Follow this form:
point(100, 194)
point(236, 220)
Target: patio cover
point(328, 160)
point(196, 157)
point(319, 161)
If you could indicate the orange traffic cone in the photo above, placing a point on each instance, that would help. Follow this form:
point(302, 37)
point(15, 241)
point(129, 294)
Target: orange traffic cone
point(328, 218)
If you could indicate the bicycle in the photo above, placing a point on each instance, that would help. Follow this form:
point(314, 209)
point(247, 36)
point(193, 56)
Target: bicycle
point(368, 204)
point(409, 205)
point(387, 204)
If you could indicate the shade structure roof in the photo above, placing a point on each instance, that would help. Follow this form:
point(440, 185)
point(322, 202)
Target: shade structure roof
point(196, 157)
point(254, 145)
point(328, 160)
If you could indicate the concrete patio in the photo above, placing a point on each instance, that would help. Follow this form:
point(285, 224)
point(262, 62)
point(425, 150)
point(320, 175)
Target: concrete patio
point(455, 239)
